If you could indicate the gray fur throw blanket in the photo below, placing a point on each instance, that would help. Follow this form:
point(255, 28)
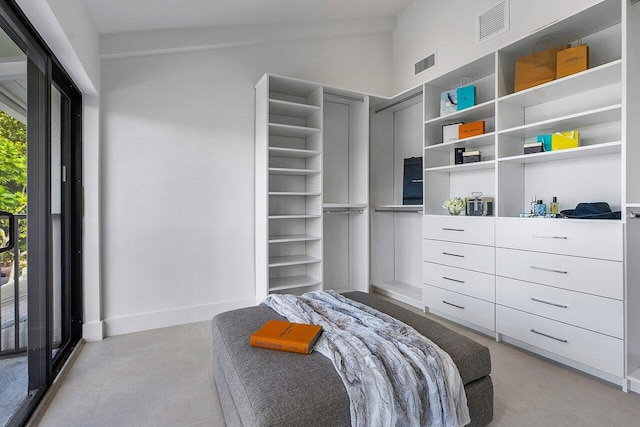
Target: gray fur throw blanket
point(394, 375)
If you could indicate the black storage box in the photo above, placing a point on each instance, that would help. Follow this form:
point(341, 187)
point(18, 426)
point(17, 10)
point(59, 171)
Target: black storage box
point(471, 157)
point(412, 181)
point(534, 147)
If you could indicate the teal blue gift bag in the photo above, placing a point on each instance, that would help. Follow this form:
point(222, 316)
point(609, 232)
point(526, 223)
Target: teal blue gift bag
point(466, 94)
point(546, 141)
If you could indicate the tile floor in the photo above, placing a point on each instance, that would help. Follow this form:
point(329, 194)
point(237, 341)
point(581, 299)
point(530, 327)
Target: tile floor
point(161, 377)
point(13, 385)
point(164, 377)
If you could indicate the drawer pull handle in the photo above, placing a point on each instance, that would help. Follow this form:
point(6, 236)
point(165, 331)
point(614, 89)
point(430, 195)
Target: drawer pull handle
point(453, 229)
point(453, 280)
point(456, 255)
point(540, 236)
point(548, 269)
point(454, 305)
point(549, 336)
point(550, 303)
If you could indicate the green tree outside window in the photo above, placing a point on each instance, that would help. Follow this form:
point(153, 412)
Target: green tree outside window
point(13, 175)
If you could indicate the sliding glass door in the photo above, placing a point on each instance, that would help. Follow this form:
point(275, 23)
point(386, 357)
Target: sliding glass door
point(40, 217)
point(13, 205)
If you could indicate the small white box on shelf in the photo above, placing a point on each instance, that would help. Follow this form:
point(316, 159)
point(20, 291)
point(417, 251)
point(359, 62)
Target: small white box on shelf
point(450, 132)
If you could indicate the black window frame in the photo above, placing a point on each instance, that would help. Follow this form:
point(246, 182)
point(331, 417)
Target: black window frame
point(43, 71)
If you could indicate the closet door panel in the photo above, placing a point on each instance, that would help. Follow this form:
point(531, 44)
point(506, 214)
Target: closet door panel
point(336, 153)
point(407, 143)
point(336, 251)
point(382, 251)
point(408, 245)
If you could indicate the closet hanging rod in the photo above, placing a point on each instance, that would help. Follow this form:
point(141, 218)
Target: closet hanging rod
point(350, 98)
point(399, 210)
point(399, 102)
point(345, 211)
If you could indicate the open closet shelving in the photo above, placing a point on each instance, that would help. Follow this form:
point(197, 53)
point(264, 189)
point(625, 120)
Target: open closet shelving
point(311, 187)
point(288, 185)
point(346, 191)
point(396, 134)
point(503, 263)
point(329, 167)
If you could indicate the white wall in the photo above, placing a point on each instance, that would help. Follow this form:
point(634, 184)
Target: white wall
point(449, 26)
point(178, 170)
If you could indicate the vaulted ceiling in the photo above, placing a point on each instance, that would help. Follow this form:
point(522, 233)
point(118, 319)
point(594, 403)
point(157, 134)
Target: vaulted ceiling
point(114, 16)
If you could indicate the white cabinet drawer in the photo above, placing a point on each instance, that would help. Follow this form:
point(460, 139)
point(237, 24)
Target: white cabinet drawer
point(472, 283)
point(475, 230)
point(471, 257)
point(472, 310)
point(593, 276)
point(598, 314)
point(589, 348)
point(587, 238)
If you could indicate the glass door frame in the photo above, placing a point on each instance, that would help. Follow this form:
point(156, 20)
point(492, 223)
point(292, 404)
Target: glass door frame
point(71, 118)
point(43, 71)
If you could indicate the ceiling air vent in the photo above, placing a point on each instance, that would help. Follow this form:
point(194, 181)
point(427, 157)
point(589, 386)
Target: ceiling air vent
point(426, 63)
point(493, 22)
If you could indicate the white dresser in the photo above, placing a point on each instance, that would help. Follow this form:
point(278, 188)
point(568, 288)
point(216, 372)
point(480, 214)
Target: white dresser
point(459, 268)
point(559, 287)
point(554, 284)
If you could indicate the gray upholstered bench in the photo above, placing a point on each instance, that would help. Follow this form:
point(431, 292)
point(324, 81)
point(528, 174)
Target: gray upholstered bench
point(259, 387)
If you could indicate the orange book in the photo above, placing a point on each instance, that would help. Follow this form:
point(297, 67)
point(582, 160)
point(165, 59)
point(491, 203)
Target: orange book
point(286, 336)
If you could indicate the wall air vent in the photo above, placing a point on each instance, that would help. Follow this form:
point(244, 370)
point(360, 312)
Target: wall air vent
point(425, 64)
point(493, 22)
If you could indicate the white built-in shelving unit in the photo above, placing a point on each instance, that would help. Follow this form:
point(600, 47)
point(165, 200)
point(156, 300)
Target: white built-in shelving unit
point(288, 186)
point(329, 212)
point(311, 187)
point(531, 296)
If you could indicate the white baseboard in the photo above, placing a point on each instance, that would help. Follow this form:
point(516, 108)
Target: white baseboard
point(93, 331)
point(162, 319)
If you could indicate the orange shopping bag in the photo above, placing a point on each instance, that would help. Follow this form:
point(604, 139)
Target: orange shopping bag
point(537, 68)
point(572, 59)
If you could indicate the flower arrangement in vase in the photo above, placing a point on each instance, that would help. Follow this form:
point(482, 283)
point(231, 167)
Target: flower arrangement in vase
point(454, 205)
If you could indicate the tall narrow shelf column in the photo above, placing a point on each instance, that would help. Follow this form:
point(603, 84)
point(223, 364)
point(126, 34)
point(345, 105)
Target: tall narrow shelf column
point(346, 190)
point(631, 130)
point(288, 195)
point(396, 249)
point(459, 252)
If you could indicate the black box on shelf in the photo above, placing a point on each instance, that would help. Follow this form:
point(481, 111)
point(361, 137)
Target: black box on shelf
point(471, 157)
point(458, 157)
point(412, 181)
point(533, 147)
